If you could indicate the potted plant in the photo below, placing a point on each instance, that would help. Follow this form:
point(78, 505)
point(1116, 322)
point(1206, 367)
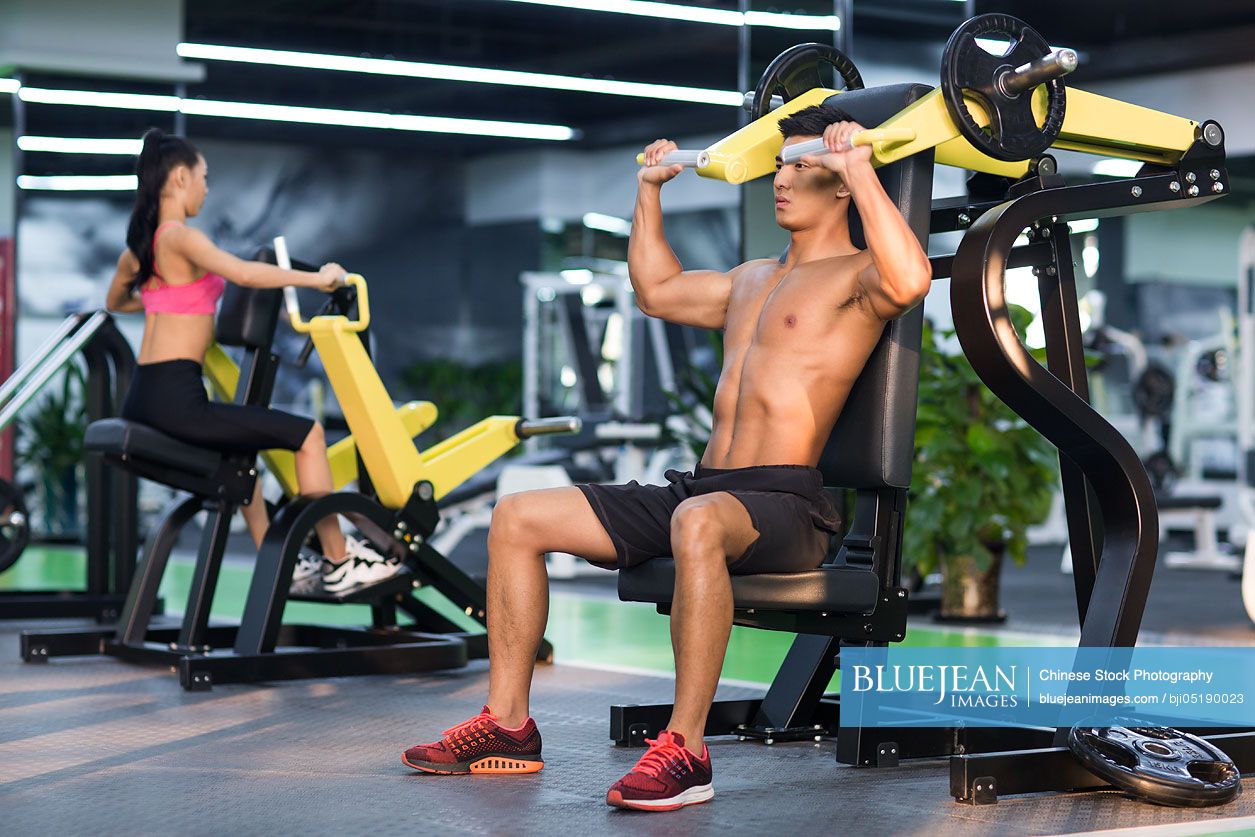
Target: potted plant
point(981, 477)
point(50, 443)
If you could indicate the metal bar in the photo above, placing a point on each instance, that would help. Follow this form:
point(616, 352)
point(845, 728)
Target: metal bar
point(141, 597)
point(403, 654)
point(59, 604)
point(55, 361)
point(99, 403)
point(200, 598)
point(125, 485)
point(630, 724)
point(32, 363)
point(800, 682)
point(1065, 356)
point(1106, 458)
point(1031, 255)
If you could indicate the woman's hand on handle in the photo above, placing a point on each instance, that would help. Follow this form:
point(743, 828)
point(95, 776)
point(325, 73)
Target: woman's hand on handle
point(330, 277)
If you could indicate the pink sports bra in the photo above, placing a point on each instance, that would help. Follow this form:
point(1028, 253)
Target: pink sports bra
point(199, 297)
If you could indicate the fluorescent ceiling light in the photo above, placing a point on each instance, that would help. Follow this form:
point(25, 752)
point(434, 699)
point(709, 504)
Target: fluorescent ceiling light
point(696, 14)
point(1116, 168)
point(9, 85)
point(1083, 226)
point(607, 223)
point(452, 72)
point(302, 115)
point(78, 182)
point(80, 145)
point(97, 99)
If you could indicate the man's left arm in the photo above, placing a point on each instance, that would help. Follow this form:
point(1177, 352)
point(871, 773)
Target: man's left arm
point(899, 275)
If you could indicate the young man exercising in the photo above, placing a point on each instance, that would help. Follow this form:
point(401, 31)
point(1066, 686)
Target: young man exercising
point(796, 337)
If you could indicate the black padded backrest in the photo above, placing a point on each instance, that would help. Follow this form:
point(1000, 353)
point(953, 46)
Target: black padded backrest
point(248, 316)
point(873, 443)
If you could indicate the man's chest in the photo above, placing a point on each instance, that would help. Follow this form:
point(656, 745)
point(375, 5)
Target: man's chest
point(794, 310)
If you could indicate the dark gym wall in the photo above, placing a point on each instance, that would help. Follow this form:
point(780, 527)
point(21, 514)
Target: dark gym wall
point(396, 220)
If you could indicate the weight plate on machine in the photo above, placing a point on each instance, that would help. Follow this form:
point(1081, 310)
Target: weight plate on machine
point(1154, 390)
point(1158, 764)
point(15, 532)
point(967, 68)
point(796, 70)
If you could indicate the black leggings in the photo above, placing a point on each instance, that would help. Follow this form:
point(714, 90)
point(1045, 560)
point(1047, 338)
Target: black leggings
point(170, 396)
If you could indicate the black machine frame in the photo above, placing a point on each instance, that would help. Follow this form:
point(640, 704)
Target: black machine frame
point(112, 495)
point(1110, 506)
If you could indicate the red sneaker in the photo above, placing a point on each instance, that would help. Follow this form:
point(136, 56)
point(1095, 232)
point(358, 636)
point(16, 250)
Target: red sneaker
point(667, 777)
point(480, 745)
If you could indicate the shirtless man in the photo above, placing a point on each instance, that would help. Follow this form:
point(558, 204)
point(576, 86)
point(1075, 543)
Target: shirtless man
point(796, 337)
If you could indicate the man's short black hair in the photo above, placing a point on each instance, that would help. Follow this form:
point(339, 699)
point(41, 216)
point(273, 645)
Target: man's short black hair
point(811, 121)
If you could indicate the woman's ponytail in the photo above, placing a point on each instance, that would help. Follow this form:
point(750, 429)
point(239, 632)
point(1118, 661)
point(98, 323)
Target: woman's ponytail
point(161, 153)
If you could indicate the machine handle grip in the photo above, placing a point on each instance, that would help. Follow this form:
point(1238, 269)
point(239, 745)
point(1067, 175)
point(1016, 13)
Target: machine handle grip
point(871, 136)
point(301, 325)
point(691, 159)
point(526, 428)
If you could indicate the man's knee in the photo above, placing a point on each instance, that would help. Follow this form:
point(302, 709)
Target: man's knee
point(697, 530)
point(513, 520)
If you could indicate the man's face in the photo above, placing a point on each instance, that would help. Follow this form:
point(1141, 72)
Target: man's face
point(805, 193)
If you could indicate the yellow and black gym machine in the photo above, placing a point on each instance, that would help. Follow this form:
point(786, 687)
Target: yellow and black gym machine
point(997, 115)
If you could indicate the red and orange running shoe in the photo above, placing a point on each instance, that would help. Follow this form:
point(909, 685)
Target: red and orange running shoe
point(480, 745)
point(667, 777)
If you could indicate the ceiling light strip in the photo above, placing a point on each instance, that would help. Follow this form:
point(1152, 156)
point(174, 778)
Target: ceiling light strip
point(78, 182)
point(302, 115)
point(453, 72)
point(80, 145)
point(696, 14)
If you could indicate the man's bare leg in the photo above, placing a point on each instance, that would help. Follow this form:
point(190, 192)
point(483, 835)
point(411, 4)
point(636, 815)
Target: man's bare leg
point(524, 527)
point(706, 533)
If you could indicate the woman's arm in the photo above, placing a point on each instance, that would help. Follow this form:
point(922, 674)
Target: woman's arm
point(196, 247)
point(119, 297)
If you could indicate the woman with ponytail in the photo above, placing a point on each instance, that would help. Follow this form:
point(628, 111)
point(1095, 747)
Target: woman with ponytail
point(175, 275)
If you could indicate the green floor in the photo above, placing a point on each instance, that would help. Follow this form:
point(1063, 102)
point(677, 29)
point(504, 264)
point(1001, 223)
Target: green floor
point(589, 630)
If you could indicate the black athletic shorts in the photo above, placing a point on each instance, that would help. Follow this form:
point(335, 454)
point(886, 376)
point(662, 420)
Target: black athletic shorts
point(170, 396)
point(794, 518)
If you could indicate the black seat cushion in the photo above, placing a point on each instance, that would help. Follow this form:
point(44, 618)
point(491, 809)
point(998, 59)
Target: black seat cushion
point(835, 589)
point(119, 438)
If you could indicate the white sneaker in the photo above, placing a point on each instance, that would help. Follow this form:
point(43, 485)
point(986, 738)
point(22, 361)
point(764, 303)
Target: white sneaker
point(361, 566)
point(308, 565)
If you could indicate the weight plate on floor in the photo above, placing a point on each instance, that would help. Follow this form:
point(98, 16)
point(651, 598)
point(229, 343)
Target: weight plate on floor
point(1158, 764)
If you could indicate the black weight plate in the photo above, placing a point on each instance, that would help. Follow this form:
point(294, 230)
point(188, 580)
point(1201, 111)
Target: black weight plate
point(796, 70)
point(1153, 391)
point(965, 66)
point(15, 530)
point(1158, 764)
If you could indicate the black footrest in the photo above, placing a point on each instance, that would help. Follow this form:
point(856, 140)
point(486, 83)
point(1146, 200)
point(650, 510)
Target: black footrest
point(399, 584)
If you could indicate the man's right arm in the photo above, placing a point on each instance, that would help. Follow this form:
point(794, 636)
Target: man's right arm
point(663, 288)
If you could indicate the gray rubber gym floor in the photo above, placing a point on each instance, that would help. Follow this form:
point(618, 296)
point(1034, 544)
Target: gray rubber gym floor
point(97, 746)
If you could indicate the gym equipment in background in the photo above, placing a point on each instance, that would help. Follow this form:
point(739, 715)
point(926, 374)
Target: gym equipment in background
point(111, 535)
point(394, 508)
point(1245, 376)
point(858, 596)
